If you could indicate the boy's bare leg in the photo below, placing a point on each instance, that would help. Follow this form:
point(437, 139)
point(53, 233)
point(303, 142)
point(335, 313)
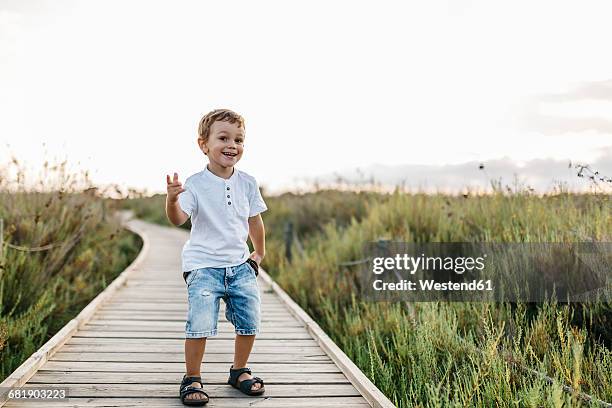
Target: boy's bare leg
point(242, 348)
point(194, 351)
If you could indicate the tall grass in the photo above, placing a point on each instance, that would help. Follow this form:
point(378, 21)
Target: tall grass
point(60, 249)
point(436, 353)
point(450, 354)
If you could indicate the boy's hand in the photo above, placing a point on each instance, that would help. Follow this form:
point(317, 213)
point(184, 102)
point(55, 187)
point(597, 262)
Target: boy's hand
point(256, 257)
point(174, 188)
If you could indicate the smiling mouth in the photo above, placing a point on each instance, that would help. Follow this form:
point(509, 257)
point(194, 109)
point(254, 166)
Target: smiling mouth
point(230, 154)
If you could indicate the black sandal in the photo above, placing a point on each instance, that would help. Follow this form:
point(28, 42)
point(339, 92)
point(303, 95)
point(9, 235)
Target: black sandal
point(245, 385)
point(188, 389)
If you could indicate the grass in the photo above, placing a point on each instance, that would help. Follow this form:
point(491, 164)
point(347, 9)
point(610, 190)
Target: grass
point(449, 353)
point(436, 353)
point(82, 249)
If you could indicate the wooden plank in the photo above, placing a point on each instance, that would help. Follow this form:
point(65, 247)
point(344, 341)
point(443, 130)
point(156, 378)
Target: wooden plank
point(171, 324)
point(175, 299)
point(161, 325)
point(214, 390)
point(281, 319)
point(156, 308)
point(180, 357)
point(259, 402)
point(93, 377)
point(178, 285)
point(264, 289)
point(175, 307)
point(211, 343)
point(182, 318)
point(178, 307)
point(175, 293)
point(317, 367)
point(168, 292)
point(126, 332)
point(148, 315)
point(180, 293)
point(265, 300)
point(276, 314)
point(211, 348)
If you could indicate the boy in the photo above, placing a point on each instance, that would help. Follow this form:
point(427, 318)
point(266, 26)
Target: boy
point(224, 204)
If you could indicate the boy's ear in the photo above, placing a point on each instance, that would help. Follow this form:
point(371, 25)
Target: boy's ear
point(202, 145)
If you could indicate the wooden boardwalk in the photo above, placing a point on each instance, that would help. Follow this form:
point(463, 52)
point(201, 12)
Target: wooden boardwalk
point(128, 352)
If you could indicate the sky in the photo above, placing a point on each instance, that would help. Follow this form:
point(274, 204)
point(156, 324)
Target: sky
point(326, 87)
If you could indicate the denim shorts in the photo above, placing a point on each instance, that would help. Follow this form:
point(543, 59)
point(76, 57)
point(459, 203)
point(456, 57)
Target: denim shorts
point(237, 286)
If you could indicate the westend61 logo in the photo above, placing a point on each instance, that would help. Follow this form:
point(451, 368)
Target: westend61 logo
point(460, 271)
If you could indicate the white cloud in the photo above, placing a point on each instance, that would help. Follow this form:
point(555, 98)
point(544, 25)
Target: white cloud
point(578, 109)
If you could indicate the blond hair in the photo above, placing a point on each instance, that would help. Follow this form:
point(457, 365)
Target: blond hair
point(223, 115)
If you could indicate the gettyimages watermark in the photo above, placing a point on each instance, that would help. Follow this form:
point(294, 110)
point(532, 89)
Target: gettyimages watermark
point(496, 272)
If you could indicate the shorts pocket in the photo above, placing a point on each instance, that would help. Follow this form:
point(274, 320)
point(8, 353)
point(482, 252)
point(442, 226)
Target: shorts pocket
point(191, 276)
point(253, 265)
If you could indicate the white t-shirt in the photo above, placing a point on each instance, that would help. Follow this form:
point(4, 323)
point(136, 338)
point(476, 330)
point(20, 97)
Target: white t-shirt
point(219, 209)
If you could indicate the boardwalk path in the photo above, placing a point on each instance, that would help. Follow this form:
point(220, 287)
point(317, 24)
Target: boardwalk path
point(130, 352)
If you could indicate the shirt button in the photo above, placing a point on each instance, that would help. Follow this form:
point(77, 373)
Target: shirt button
point(227, 188)
point(228, 196)
point(229, 203)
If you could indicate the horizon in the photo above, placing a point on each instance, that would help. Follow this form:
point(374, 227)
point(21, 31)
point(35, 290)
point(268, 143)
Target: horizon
point(80, 182)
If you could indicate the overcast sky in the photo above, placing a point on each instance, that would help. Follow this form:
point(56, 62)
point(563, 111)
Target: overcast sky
point(118, 87)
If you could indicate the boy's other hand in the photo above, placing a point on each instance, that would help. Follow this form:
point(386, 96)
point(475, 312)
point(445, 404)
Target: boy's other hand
point(174, 187)
point(256, 257)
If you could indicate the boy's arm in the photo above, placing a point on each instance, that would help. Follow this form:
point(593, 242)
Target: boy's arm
point(174, 213)
point(257, 233)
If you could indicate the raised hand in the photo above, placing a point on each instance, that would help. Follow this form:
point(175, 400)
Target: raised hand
point(174, 188)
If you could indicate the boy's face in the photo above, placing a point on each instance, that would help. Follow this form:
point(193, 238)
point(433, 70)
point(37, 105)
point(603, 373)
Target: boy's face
point(224, 145)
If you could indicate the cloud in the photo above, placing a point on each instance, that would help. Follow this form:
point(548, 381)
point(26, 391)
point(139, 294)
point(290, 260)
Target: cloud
point(531, 117)
point(541, 174)
point(34, 7)
point(10, 32)
point(549, 124)
point(597, 90)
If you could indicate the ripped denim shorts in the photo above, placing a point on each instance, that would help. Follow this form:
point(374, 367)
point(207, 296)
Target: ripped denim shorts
point(237, 286)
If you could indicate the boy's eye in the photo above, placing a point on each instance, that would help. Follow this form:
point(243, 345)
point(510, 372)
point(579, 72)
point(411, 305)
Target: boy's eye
point(224, 138)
